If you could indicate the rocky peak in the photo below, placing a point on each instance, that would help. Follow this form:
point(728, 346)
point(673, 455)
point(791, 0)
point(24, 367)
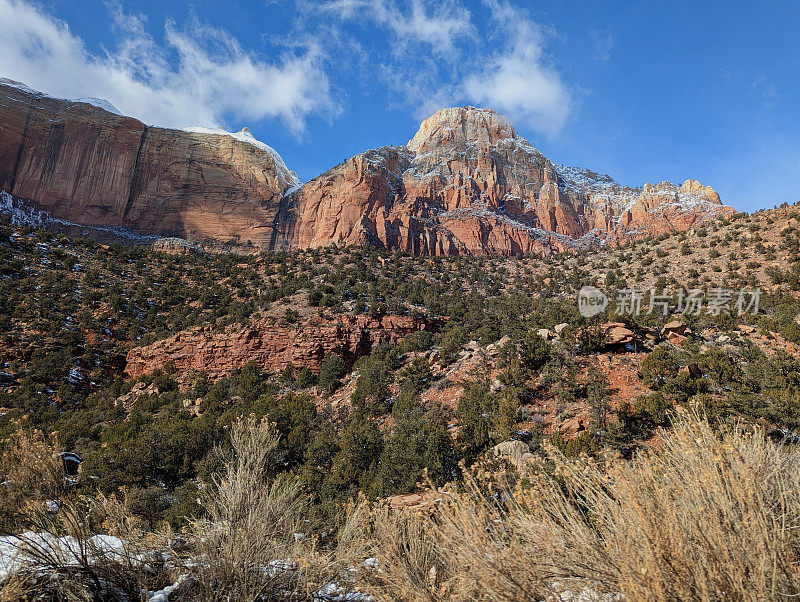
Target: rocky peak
point(459, 127)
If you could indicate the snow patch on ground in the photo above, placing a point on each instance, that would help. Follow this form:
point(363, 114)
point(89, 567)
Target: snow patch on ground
point(24, 215)
point(66, 550)
point(162, 595)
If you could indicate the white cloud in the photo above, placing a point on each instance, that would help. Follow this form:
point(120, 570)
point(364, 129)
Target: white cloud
point(438, 56)
point(200, 76)
point(517, 80)
point(439, 27)
point(427, 54)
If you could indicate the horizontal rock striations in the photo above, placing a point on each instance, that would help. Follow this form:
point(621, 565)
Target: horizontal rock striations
point(273, 344)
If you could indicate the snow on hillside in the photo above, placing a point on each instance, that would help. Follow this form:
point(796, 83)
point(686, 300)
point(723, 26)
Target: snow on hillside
point(21, 213)
point(245, 135)
point(100, 103)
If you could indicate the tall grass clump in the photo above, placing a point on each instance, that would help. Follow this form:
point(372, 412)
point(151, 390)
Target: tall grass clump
point(702, 515)
point(89, 549)
point(30, 474)
point(245, 547)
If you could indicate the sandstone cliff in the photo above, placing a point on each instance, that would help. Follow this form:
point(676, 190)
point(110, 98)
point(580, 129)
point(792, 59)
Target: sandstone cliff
point(85, 165)
point(466, 183)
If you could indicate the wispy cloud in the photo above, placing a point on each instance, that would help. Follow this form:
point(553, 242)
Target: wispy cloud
point(438, 56)
point(213, 79)
point(766, 89)
point(439, 25)
point(603, 43)
point(429, 54)
point(518, 80)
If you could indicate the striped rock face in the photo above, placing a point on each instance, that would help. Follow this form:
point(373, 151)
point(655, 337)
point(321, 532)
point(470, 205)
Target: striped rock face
point(79, 164)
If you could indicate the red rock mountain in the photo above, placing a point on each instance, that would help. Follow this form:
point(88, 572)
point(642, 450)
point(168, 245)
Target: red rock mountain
point(466, 183)
point(85, 165)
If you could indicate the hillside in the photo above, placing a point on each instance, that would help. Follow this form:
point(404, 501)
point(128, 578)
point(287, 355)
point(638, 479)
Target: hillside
point(376, 375)
point(81, 319)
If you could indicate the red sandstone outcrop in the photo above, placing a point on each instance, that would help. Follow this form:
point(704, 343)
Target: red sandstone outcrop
point(466, 183)
point(272, 344)
point(85, 165)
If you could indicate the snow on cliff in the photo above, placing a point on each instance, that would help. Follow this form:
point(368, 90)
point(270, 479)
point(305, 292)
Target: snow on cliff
point(245, 135)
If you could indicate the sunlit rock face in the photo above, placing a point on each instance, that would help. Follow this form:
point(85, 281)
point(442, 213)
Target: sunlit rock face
point(466, 183)
point(85, 165)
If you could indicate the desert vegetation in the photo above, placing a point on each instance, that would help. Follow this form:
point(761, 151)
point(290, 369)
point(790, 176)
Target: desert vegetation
point(727, 502)
point(515, 451)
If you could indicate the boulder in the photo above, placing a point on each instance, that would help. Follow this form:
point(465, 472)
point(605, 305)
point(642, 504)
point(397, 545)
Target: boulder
point(676, 327)
point(616, 333)
point(515, 451)
point(572, 427)
point(676, 339)
point(692, 370)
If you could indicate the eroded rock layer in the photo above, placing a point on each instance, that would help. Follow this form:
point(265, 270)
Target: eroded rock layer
point(272, 344)
point(466, 183)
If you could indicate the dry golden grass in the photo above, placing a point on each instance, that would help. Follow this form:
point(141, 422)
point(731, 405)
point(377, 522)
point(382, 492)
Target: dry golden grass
point(245, 548)
point(701, 516)
point(31, 472)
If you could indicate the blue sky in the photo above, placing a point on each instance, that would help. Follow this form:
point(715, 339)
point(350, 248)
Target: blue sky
point(644, 91)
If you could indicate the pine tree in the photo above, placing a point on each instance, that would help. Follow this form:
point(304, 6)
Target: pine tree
point(599, 401)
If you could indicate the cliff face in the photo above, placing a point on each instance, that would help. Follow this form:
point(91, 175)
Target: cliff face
point(466, 183)
point(84, 165)
point(273, 345)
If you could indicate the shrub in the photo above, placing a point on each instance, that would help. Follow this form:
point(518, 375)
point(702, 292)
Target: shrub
point(333, 368)
point(306, 378)
point(658, 367)
point(249, 522)
point(534, 351)
point(727, 511)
